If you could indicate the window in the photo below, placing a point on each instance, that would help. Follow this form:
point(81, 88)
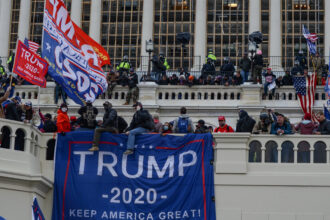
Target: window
point(227, 28)
point(121, 29)
point(296, 13)
point(13, 32)
point(170, 18)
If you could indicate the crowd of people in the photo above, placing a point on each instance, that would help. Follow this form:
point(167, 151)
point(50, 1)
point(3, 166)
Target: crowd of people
point(269, 122)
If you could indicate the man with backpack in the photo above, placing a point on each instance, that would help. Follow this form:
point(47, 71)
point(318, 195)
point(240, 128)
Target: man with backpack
point(110, 124)
point(183, 123)
point(88, 116)
point(223, 127)
point(142, 122)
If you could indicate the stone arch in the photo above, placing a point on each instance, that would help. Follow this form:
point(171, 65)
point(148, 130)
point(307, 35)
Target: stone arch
point(50, 149)
point(255, 151)
point(20, 139)
point(287, 152)
point(303, 152)
point(5, 137)
point(271, 152)
point(320, 153)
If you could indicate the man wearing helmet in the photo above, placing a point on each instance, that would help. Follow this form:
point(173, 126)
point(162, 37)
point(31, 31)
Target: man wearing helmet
point(124, 65)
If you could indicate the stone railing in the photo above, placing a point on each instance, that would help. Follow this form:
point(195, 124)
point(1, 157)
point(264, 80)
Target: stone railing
point(152, 94)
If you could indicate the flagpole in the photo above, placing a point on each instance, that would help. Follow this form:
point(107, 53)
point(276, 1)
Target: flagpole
point(38, 98)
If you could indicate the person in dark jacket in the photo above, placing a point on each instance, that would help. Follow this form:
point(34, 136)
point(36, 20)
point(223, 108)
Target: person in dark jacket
point(13, 110)
point(110, 124)
point(132, 86)
point(281, 127)
point(174, 80)
point(159, 66)
point(163, 81)
point(48, 125)
point(324, 126)
point(208, 69)
point(88, 115)
point(301, 58)
point(296, 70)
point(245, 122)
point(287, 79)
point(245, 65)
point(201, 128)
point(227, 69)
point(142, 122)
point(257, 67)
point(238, 79)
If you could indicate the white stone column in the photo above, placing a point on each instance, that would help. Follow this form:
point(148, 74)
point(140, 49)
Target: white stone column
point(254, 15)
point(12, 141)
point(326, 29)
point(5, 8)
point(95, 21)
point(200, 34)
point(24, 20)
point(147, 30)
point(275, 39)
point(76, 9)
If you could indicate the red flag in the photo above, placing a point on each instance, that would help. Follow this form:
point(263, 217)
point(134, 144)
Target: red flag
point(30, 66)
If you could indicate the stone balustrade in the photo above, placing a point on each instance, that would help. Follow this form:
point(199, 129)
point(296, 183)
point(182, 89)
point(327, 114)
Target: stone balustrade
point(152, 94)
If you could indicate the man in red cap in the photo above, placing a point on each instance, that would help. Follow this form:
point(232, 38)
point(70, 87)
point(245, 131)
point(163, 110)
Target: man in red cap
point(223, 127)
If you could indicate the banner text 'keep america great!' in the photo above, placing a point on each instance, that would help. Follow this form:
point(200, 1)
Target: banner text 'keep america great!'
point(74, 58)
point(167, 177)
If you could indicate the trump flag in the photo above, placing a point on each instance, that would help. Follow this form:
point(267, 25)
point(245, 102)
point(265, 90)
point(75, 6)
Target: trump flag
point(30, 66)
point(168, 177)
point(75, 59)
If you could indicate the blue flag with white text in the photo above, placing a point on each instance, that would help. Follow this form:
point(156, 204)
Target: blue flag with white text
point(168, 177)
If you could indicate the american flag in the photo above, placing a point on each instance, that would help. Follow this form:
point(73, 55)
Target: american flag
point(36, 211)
point(31, 45)
point(305, 89)
point(311, 39)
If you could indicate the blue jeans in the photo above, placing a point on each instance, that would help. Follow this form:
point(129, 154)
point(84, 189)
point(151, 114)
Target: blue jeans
point(245, 75)
point(131, 136)
point(266, 88)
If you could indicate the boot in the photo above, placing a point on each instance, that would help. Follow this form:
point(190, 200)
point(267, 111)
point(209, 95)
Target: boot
point(126, 103)
point(129, 151)
point(94, 148)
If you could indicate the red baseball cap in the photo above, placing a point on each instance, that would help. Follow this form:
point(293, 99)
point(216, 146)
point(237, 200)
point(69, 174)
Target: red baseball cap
point(221, 118)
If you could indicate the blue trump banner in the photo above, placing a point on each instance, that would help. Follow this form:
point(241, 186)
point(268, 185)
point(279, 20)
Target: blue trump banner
point(168, 177)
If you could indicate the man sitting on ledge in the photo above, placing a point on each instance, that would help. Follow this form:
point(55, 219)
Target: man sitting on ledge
point(142, 122)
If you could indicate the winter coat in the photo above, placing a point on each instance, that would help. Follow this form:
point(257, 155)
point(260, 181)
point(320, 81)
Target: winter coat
point(245, 122)
point(143, 119)
point(110, 118)
point(286, 127)
point(305, 127)
point(245, 64)
point(88, 121)
point(13, 111)
point(63, 122)
point(324, 127)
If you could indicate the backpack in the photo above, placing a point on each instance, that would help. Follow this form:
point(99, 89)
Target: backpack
point(122, 124)
point(183, 125)
point(90, 116)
